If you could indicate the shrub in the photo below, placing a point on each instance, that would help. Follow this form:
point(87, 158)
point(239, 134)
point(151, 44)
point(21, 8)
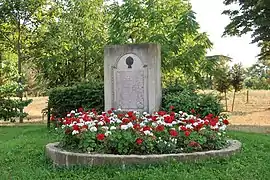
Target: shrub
point(88, 94)
point(117, 132)
point(188, 100)
point(9, 106)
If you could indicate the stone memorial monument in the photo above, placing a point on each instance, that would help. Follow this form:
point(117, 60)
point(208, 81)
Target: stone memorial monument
point(132, 77)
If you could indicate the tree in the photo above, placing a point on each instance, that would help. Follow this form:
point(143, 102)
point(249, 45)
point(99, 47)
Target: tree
point(170, 23)
point(19, 19)
point(251, 16)
point(70, 48)
point(237, 77)
point(222, 83)
point(215, 66)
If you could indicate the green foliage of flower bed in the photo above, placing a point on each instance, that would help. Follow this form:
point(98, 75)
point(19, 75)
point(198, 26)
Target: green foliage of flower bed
point(118, 132)
point(22, 158)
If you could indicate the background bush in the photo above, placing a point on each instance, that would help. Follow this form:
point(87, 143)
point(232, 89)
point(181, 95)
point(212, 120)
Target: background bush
point(87, 95)
point(186, 98)
point(10, 106)
point(91, 95)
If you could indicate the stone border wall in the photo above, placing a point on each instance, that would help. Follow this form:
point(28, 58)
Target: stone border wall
point(65, 158)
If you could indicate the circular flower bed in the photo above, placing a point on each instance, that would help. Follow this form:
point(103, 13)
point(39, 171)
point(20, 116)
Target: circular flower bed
point(117, 132)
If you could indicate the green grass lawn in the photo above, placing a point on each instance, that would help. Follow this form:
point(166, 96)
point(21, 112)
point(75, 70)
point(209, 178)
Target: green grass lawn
point(22, 157)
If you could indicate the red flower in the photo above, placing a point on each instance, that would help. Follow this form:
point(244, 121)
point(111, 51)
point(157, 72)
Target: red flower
point(125, 120)
point(193, 111)
point(130, 114)
point(80, 109)
point(84, 127)
point(172, 113)
point(75, 127)
point(120, 116)
point(154, 118)
point(139, 141)
point(198, 127)
point(160, 128)
point(100, 137)
point(146, 128)
point(136, 126)
point(168, 119)
point(173, 133)
point(183, 128)
point(187, 133)
point(106, 119)
point(161, 113)
point(112, 109)
point(171, 107)
point(191, 121)
point(52, 118)
point(110, 112)
point(133, 118)
point(193, 144)
point(225, 121)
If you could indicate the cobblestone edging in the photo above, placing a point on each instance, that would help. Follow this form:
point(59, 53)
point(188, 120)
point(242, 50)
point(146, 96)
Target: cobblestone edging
point(65, 158)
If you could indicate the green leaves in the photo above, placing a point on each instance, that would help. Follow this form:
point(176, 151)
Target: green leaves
point(169, 23)
point(251, 16)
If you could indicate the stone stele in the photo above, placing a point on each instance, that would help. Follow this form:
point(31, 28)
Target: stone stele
point(132, 77)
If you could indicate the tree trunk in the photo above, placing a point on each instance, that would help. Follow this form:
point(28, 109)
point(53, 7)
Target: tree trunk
point(19, 54)
point(1, 67)
point(226, 102)
point(85, 64)
point(233, 100)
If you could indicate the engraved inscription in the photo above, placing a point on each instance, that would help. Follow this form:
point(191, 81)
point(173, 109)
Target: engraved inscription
point(130, 89)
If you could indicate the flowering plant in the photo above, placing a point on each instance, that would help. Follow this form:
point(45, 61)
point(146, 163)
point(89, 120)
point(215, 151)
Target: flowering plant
point(132, 132)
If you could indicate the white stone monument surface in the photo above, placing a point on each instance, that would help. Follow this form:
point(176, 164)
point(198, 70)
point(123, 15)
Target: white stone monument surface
point(132, 78)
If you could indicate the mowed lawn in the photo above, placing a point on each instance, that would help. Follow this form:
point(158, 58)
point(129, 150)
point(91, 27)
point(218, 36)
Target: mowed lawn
point(22, 157)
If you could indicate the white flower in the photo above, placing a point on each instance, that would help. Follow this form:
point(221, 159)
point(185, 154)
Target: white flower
point(107, 133)
point(195, 124)
point(55, 128)
point(154, 124)
point(130, 125)
point(80, 124)
point(142, 124)
point(148, 133)
point(223, 128)
point(93, 129)
point(72, 112)
point(105, 127)
point(189, 126)
point(68, 115)
point(75, 132)
point(118, 121)
point(101, 123)
point(112, 128)
point(63, 126)
point(144, 113)
point(124, 127)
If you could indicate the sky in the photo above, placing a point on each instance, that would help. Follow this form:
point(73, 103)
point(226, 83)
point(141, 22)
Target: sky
point(208, 15)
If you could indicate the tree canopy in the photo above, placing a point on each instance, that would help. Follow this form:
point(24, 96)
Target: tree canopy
point(251, 16)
